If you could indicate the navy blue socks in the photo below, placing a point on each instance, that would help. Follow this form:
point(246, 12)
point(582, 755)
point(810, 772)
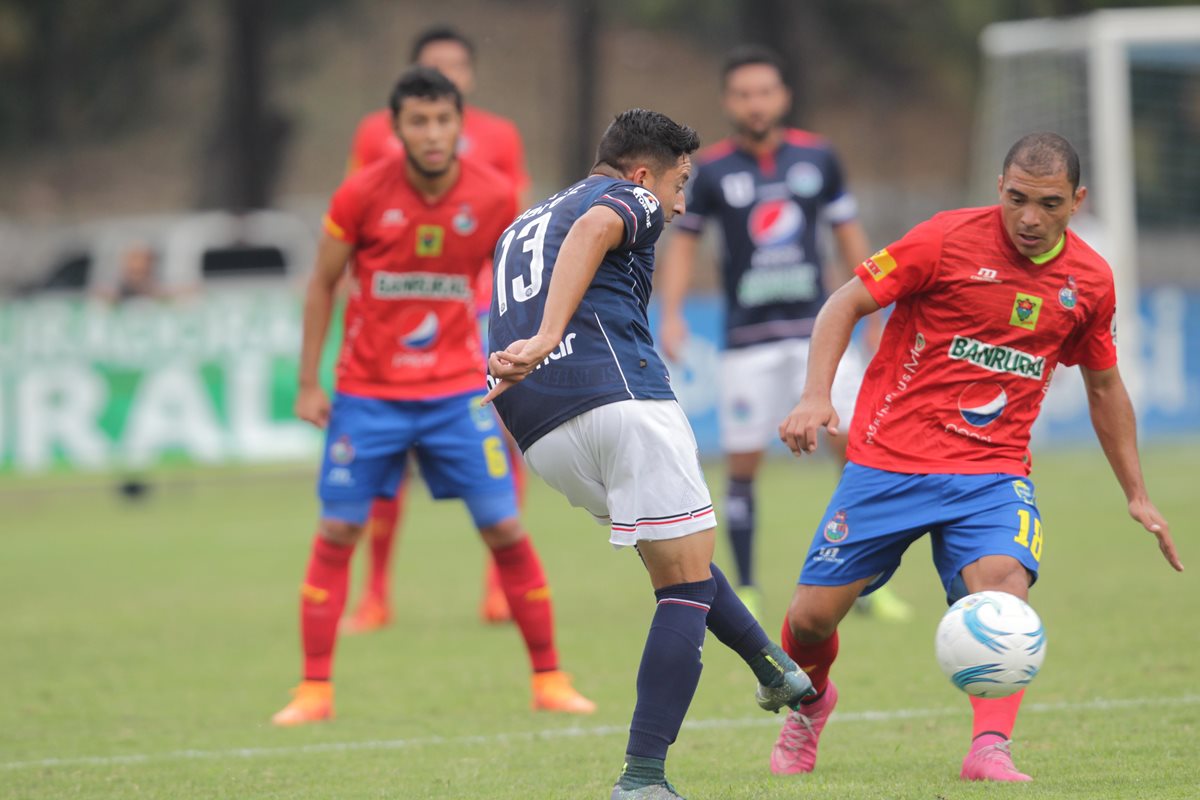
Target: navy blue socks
point(667, 677)
point(739, 517)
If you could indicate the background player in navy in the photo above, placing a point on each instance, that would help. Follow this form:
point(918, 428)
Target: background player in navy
point(772, 190)
point(595, 416)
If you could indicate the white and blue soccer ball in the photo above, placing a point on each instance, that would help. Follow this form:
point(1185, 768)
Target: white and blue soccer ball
point(991, 644)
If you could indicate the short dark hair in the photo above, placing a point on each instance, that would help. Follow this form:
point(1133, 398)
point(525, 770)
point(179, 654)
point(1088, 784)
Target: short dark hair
point(639, 135)
point(1044, 153)
point(747, 54)
point(425, 82)
point(439, 33)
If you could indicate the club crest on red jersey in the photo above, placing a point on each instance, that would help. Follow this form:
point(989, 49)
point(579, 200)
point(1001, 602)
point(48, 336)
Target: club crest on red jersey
point(464, 221)
point(1068, 296)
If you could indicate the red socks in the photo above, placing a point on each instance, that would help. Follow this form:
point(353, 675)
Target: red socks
point(322, 598)
point(381, 527)
point(814, 659)
point(996, 716)
point(528, 596)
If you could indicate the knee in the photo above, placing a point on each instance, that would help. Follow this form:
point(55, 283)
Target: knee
point(340, 532)
point(998, 574)
point(810, 624)
point(504, 533)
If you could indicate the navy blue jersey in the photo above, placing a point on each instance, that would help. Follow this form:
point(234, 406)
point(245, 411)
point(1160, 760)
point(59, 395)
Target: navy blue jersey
point(606, 354)
point(770, 213)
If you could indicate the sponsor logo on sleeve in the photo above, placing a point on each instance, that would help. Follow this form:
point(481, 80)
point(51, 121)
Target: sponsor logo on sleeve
point(880, 265)
point(1025, 311)
point(647, 201)
point(997, 358)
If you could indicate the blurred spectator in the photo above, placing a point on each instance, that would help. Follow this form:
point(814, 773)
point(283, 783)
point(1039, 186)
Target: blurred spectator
point(138, 276)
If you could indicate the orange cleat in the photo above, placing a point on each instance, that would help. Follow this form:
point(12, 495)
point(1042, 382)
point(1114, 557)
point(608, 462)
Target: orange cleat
point(552, 691)
point(312, 701)
point(371, 615)
point(494, 609)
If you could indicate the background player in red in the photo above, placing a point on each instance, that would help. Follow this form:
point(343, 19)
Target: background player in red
point(774, 192)
point(988, 302)
point(410, 377)
point(495, 141)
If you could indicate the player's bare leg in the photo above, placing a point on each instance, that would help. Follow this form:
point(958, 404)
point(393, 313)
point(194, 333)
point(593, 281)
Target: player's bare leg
point(528, 596)
point(810, 637)
point(990, 757)
point(322, 600)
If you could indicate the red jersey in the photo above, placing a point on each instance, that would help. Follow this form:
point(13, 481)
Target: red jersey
point(485, 137)
point(410, 329)
point(970, 348)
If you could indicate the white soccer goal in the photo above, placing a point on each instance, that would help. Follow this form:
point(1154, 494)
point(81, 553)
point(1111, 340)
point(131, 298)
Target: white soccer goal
point(1124, 87)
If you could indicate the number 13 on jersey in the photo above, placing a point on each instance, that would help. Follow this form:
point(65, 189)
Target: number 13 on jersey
point(534, 234)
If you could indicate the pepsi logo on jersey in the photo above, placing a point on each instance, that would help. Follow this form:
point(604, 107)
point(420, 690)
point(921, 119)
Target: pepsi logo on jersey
point(775, 222)
point(982, 403)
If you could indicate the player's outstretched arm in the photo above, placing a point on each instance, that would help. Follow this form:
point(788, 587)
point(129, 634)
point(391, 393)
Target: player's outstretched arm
point(674, 276)
point(1116, 428)
point(312, 404)
point(583, 250)
point(831, 335)
point(854, 249)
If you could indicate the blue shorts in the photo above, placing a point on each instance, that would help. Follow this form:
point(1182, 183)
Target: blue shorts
point(458, 444)
point(875, 515)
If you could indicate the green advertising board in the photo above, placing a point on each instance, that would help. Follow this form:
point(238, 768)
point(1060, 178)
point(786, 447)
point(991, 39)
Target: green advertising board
point(209, 379)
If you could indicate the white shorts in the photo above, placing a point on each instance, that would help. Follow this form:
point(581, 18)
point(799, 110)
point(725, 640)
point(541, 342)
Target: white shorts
point(633, 465)
point(760, 384)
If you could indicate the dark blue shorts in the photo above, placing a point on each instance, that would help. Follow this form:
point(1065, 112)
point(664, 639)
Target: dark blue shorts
point(875, 515)
point(458, 444)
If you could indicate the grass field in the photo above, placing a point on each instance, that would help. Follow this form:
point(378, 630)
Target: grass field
point(145, 646)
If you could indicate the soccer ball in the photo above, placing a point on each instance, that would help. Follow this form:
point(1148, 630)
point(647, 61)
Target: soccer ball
point(990, 644)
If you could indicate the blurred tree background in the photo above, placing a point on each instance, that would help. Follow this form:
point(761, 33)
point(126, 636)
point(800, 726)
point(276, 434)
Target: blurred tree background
point(224, 82)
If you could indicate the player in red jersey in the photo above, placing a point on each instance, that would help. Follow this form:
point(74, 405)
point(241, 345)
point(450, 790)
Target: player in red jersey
point(988, 302)
point(492, 140)
point(411, 375)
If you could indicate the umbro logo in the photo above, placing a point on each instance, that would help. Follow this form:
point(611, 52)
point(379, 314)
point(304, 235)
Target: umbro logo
point(393, 216)
point(986, 275)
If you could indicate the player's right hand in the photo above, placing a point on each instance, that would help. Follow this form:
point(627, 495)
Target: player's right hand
point(312, 405)
point(799, 428)
point(513, 363)
point(673, 335)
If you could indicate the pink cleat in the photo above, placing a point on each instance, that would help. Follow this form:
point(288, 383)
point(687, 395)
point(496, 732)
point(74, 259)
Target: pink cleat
point(796, 749)
point(991, 762)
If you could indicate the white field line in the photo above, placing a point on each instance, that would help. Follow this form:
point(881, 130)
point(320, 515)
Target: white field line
point(1100, 704)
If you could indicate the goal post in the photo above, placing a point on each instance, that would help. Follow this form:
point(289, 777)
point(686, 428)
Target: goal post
point(1085, 78)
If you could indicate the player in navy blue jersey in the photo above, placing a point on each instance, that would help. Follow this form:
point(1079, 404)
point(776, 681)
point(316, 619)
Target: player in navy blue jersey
point(577, 381)
point(773, 191)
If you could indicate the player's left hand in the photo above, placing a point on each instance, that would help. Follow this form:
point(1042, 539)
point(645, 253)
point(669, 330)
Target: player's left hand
point(513, 363)
point(1144, 512)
